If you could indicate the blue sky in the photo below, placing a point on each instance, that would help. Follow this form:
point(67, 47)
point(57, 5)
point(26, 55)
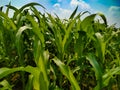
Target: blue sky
point(63, 8)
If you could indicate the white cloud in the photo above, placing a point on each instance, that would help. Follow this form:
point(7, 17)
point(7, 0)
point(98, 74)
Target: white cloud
point(114, 15)
point(114, 8)
point(66, 12)
point(59, 0)
point(82, 4)
point(57, 5)
point(61, 12)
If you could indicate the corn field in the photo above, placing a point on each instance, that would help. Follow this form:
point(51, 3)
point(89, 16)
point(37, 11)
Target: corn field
point(39, 51)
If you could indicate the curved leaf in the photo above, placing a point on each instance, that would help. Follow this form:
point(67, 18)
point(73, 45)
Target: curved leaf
point(5, 85)
point(103, 17)
point(12, 7)
point(65, 70)
point(19, 42)
point(98, 71)
point(9, 20)
point(31, 4)
point(87, 23)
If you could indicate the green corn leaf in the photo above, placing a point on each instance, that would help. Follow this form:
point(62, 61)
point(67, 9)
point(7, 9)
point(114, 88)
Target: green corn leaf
point(1, 29)
point(41, 60)
point(43, 74)
point(79, 45)
point(39, 45)
point(56, 33)
point(43, 82)
point(100, 46)
point(109, 74)
point(18, 12)
point(19, 43)
point(65, 70)
point(9, 20)
point(29, 85)
point(1, 8)
point(12, 7)
point(33, 70)
point(7, 10)
point(37, 50)
point(111, 36)
point(85, 13)
point(87, 22)
point(98, 71)
point(73, 14)
point(103, 17)
point(31, 4)
point(6, 71)
point(67, 39)
point(36, 30)
point(6, 85)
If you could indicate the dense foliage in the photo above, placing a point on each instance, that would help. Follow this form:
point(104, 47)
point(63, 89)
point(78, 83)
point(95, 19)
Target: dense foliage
point(41, 52)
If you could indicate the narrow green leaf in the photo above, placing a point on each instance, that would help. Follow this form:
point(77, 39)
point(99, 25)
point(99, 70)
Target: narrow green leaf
point(1, 8)
point(103, 17)
point(36, 30)
point(7, 10)
point(19, 43)
point(109, 74)
point(12, 7)
point(100, 46)
point(85, 13)
point(111, 36)
point(98, 71)
point(67, 35)
point(57, 33)
point(9, 20)
point(73, 14)
point(31, 4)
point(43, 82)
point(79, 45)
point(18, 12)
point(65, 70)
point(6, 85)
point(29, 85)
point(6, 71)
point(33, 70)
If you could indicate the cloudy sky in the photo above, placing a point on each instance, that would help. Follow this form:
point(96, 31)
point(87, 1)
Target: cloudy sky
point(63, 8)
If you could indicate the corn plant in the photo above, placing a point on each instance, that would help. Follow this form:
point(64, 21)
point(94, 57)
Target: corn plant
point(42, 52)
